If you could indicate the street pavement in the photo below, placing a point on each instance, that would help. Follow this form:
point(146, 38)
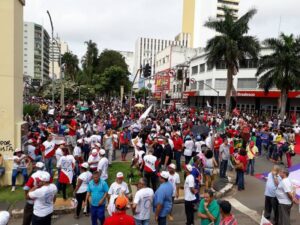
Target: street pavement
point(247, 205)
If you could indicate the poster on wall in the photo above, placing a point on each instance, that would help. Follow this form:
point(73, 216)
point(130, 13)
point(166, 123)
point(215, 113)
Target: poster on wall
point(162, 83)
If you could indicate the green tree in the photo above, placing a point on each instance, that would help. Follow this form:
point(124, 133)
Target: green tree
point(110, 58)
point(142, 93)
point(231, 45)
point(90, 61)
point(281, 68)
point(71, 67)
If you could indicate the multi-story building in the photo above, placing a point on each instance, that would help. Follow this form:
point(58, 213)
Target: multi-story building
point(129, 59)
point(197, 12)
point(147, 48)
point(35, 52)
point(204, 78)
point(58, 46)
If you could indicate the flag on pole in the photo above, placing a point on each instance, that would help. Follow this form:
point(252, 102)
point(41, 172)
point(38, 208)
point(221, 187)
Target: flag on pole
point(145, 114)
point(207, 104)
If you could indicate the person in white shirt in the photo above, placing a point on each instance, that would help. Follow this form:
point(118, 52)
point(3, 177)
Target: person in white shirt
point(4, 217)
point(93, 160)
point(44, 196)
point(116, 188)
point(81, 188)
point(189, 195)
point(286, 197)
point(77, 154)
point(198, 144)
point(188, 148)
point(150, 167)
point(174, 179)
point(142, 203)
point(19, 166)
point(103, 165)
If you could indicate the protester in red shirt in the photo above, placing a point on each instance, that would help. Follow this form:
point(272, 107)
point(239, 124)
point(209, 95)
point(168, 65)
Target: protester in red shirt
point(178, 146)
point(227, 217)
point(120, 217)
point(240, 167)
point(217, 143)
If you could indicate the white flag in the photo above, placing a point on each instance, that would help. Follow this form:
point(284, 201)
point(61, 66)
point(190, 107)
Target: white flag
point(145, 114)
point(207, 104)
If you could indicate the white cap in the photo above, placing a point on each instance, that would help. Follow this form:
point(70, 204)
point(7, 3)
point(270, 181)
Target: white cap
point(94, 151)
point(189, 167)
point(4, 217)
point(39, 165)
point(120, 175)
point(172, 166)
point(30, 141)
point(102, 152)
point(18, 150)
point(98, 145)
point(164, 174)
point(44, 176)
point(84, 165)
point(80, 141)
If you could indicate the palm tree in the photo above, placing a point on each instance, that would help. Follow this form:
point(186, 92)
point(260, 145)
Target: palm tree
point(90, 60)
point(71, 65)
point(280, 69)
point(231, 45)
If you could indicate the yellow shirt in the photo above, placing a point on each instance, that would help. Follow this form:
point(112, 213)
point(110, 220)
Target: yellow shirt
point(251, 154)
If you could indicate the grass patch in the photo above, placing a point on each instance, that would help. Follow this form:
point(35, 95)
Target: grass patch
point(11, 197)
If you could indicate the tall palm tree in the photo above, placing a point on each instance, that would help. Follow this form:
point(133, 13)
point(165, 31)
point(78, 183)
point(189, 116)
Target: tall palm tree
point(71, 62)
point(231, 44)
point(280, 69)
point(90, 60)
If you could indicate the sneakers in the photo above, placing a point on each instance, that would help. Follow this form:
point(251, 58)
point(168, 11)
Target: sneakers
point(13, 188)
point(170, 218)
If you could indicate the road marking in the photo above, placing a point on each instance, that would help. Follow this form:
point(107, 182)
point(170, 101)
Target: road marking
point(244, 209)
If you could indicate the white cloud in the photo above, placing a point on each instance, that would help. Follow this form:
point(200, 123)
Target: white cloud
point(116, 24)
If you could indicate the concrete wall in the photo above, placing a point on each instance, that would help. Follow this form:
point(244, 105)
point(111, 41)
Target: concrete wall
point(11, 80)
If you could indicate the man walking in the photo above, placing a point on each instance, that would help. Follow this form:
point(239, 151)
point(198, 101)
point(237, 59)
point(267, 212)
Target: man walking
point(224, 157)
point(97, 190)
point(189, 195)
point(162, 203)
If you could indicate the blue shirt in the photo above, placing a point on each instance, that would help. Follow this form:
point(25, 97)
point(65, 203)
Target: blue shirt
point(97, 191)
point(270, 185)
point(163, 196)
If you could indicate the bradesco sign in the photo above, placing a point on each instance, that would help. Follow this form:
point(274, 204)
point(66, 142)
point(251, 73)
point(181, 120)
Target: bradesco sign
point(270, 94)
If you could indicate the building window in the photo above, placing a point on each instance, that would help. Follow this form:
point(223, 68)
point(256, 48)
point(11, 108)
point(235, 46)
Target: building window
point(220, 84)
point(202, 68)
point(221, 65)
point(209, 83)
point(193, 85)
point(209, 66)
point(201, 85)
point(249, 64)
point(194, 70)
point(247, 83)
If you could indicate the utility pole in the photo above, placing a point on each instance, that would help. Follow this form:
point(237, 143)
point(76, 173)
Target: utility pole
point(52, 49)
point(131, 90)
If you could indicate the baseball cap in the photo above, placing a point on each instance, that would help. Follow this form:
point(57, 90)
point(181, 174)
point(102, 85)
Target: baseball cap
point(121, 202)
point(39, 165)
point(102, 152)
point(45, 176)
point(80, 141)
point(98, 145)
point(18, 150)
point(4, 217)
point(172, 166)
point(84, 165)
point(164, 174)
point(189, 167)
point(94, 151)
point(120, 175)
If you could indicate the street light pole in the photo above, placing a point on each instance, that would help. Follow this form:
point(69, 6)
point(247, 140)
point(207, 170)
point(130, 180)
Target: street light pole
point(218, 94)
point(52, 30)
point(131, 90)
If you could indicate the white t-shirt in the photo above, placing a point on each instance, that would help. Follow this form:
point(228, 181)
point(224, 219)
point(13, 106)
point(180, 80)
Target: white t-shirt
point(95, 139)
point(103, 166)
point(283, 188)
point(174, 180)
point(58, 155)
point(140, 156)
point(21, 164)
point(66, 163)
point(189, 147)
point(114, 191)
point(150, 161)
point(143, 199)
point(198, 145)
point(86, 178)
point(188, 184)
point(49, 147)
point(77, 151)
point(31, 151)
point(93, 159)
point(43, 200)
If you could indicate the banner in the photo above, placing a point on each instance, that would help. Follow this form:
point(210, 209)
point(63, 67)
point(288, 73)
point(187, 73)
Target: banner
point(162, 83)
point(264, 221)
point(145, 114)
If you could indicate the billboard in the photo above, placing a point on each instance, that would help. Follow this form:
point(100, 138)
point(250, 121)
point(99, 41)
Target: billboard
point(162, 83)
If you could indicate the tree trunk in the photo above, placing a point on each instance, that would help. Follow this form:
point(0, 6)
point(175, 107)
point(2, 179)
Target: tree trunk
point(283, 100)
point(228, 91)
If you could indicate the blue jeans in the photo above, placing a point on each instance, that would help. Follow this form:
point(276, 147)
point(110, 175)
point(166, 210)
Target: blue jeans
point(49, 165)
point(124, 149)
point(98, 213)
point(15, 173)
point(177, 156)
point(142, 222)
point(162, 220)
point(223, 168)
point(240, 180)
point(250, 164)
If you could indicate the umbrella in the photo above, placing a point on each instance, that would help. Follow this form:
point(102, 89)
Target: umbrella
point(139, 105)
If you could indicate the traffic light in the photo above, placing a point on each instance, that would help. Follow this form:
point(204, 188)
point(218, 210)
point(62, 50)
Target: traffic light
point(179, 74)
point(147, 70)
point(168, 98)
point(187, 81)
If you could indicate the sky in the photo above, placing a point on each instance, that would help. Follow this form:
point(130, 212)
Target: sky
point(116, 24)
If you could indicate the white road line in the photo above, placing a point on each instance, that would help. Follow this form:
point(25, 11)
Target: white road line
point(244, 209)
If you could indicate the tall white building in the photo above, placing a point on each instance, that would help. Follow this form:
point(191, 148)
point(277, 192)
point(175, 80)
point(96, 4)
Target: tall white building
point(35, 51)
point(147, 48)
point(129, 59)
point(58, 45)
point(197, 12)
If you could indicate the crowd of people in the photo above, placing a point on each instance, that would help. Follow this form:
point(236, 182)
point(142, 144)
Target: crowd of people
point(75, 148)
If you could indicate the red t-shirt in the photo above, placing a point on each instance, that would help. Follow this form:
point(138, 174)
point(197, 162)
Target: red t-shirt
point(178, 143)
point(242, 159)
point(217, 143)
point(119, 218)
point(73, 124)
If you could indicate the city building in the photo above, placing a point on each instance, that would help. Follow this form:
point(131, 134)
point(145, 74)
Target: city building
point(249, 96)
point(147, 48)
point(197, 12)
point(58, 46)
point(129, 59)
point(35, 52)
